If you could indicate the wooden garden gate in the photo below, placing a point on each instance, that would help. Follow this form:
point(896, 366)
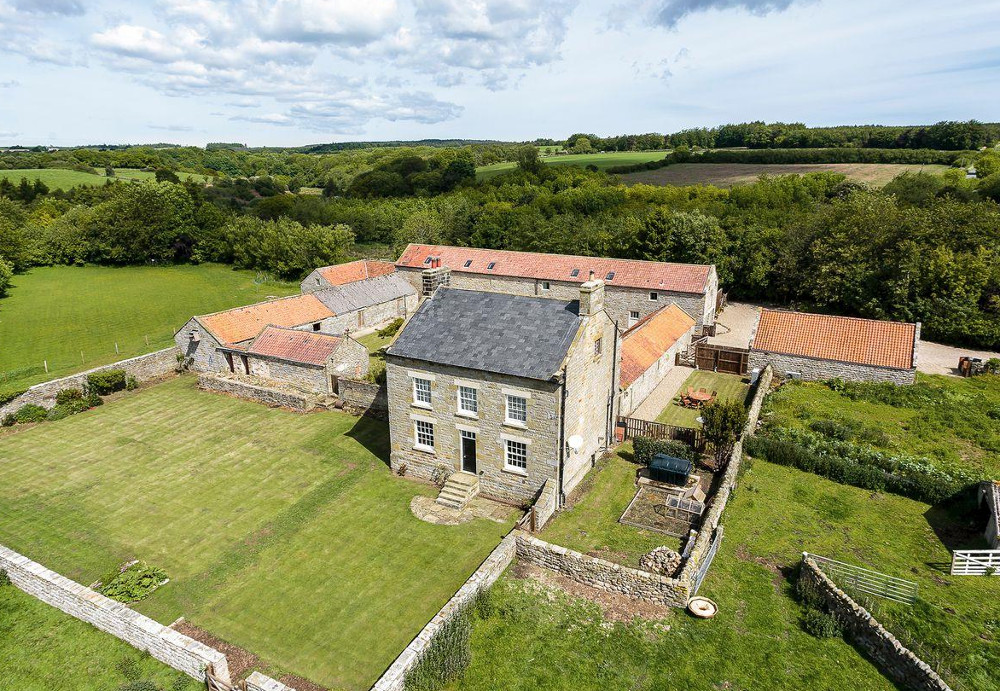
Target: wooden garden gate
point(725, 359)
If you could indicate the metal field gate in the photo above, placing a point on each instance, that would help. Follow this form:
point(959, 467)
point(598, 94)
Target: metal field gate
point(724, 359)
point(849, 576)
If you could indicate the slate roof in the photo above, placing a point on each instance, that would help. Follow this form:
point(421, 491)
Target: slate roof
point(308, 347)
point(680, 278)
point(365, 293)
point(340, 274)
point(847, 339)
point(493, 332)
point(243, 323)
point(650, 338)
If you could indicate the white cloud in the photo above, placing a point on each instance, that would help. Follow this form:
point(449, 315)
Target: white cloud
point(63, 7)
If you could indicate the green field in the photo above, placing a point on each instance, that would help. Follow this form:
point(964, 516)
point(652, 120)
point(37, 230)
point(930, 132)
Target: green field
point(603, 161)
point(56, 313)
point(950, 420)
point(538, 639)
point(283, 533)
point(729, 387)
point(55, 651)
point(58, 178)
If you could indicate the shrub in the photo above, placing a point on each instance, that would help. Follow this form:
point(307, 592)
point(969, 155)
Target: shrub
point(64, 410)
point(106, 382)
point(723, 423)
point(645, 448)
point(133, 582)
point(391, 329)
point(832, 429)
point(93, 400)
point(30, 413)
point(4, 578)
point(131, 383)
point(9, 396)
point(808, 592)
point(993, 365)
point(68, 395)
point(9, 420)
point(446, 658)
point(483, 603)
point(821, 624)
point(139, 685)
point(128, 667)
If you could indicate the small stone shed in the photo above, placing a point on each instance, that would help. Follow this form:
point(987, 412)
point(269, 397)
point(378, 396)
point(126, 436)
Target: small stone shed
point(368, 302)
point(649, 350)
point(819, 346)
point(306, 360)
point(342, 274)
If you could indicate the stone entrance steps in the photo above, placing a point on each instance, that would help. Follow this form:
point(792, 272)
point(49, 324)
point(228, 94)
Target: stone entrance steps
point(459, 490)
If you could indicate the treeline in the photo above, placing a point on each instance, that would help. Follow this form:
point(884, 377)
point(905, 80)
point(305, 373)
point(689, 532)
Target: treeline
point(682, 154)
point(922, 249)
point(945, 135)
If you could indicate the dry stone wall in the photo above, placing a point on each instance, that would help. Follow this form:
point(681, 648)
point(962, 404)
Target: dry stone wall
point(601, 574)
point(895, 659)
point(362, 397)
point(254, 391)
point(166, 645)
point(814, 369)
point(143, 367)
point(485, 576)
point(260, 682)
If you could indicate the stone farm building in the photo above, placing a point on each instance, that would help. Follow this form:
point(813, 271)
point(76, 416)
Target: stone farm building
point(509, 391)
point(634, 289)
point(819, 347)
point(258, 340)
point(649, 350)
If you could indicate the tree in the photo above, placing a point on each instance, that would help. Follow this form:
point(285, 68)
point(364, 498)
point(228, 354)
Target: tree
point(527, 159)
point(6, 274)
point(987, 163)
point(723, 424)
point(164, 175)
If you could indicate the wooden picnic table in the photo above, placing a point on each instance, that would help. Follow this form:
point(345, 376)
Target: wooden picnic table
point(700, 396)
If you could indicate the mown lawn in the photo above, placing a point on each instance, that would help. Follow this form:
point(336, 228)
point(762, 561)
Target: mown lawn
point(756, 642)
point(42, 649)
point(283, 533)
point(72, 316)
point(590, 523)
point(603, 161)
point(954, 422)
point(729, 387)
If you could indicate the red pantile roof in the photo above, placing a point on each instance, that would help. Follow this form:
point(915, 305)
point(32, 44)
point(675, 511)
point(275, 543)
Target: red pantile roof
point(650, 338)
point(243, 323)
point(633, 273)
point(309, 347)
point(339, 274)
point(847, 339)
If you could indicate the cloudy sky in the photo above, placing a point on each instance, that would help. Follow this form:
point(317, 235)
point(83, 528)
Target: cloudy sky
point(287, 72)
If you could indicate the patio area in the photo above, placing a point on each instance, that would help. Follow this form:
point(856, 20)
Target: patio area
point(725, 387)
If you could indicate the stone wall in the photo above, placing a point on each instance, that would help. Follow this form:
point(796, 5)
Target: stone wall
point(488, 572)
point(894, 659)
point(814, 369)
point(989, 493)
point(260, 682)
point(713, 515)
point(546, 504)
point(363, 397)
point(166, 645)
point(258, 392)
point(298, 375)
point(143, 367)
point(601, 574)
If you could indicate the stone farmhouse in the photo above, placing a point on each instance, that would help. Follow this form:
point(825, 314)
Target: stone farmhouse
point(502, 393)
point(649, 351)
point(634, 289)
point(818, 347)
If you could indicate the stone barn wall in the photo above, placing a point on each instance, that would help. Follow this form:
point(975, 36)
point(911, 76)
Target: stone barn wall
point(259, 392)
point(143, 368)
point(814, 369)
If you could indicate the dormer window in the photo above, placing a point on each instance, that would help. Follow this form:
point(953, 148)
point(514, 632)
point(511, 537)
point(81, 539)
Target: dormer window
point(610, 276)
point(491, 266)
point(468, 263)
point(574, 273)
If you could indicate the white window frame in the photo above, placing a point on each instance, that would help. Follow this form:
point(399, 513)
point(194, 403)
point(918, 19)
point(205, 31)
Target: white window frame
point(417, 392)
point(654, 296)
point(507, 409)
point(546, 286)
point(522, 454)
point(461, 400)
point(598, 347)
point(417, 444)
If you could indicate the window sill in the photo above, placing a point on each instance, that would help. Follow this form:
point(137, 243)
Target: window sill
point(424, 449)
point(466, 414)
point(422, 406)
point(520, 472)
point(515, 424)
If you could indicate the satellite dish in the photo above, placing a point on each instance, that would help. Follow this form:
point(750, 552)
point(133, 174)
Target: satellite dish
point(575, 442)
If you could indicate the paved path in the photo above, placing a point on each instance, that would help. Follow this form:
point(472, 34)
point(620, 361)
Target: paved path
point(737, 321)
point(663, 394)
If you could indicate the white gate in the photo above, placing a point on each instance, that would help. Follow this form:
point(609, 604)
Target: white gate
point(975, 562)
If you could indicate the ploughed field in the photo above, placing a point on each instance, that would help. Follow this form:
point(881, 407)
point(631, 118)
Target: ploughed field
point(603, 161)
point(283, 533)
point(729, 174)
point(71, 317)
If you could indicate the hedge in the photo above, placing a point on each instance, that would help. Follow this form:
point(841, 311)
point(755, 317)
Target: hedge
point(644, 449)
point(107, 381)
